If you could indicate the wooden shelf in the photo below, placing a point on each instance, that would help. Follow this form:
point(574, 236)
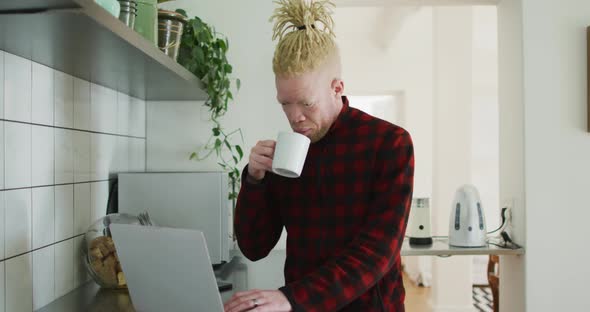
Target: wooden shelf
point(80, 38)
point(440, 247)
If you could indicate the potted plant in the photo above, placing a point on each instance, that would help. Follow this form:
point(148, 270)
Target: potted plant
point(203, 52)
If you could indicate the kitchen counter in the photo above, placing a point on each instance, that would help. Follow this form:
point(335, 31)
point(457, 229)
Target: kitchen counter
point(243, 274)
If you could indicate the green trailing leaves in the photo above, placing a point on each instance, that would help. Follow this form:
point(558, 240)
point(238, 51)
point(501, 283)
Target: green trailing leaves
point(203, 52)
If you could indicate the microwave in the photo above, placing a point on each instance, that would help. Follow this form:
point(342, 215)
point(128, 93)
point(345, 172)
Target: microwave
point(189, 200)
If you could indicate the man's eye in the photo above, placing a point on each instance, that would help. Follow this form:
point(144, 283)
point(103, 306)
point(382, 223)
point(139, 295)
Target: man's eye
point(308, 104)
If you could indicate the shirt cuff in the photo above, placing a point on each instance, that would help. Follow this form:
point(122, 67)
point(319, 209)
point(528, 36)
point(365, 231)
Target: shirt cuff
point(295, 307)
point(246, 181)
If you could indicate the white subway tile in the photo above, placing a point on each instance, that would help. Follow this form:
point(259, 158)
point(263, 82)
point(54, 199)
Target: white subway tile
point(19, 284)
point(42, 97)
point(2, 213)
point(123, 119)
point(82, 104)
point(17, 222)
point(2, 176)
point(64, 99)
point(80, 274)
point(64, 211)
point(1, 84)
point(99, 197)
point(64, 156)
point(43, 216)
point(81, 156)
point(43, 277)
point(103, 109)
point(82, 207)
point(17, 138)
point(122, 154)
point(2, 288)
point(102, 155)
point(137, 155)
point(43, 172)
point(17, 88)
point(137, 115)
point(64, 267)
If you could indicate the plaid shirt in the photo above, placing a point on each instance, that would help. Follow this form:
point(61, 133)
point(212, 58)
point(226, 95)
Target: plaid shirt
point(345, 217)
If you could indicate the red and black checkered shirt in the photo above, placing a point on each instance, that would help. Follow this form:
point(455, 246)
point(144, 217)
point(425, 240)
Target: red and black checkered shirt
point(345, 217)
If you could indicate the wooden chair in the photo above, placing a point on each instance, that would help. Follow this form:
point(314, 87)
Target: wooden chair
point(494, 279)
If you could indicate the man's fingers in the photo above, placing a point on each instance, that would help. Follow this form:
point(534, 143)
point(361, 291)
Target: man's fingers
point(267, 143)
point(261, 162)
point(243, 301)
point(263, 150)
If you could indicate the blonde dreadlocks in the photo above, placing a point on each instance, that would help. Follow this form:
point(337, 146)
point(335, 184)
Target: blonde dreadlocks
point(306, 38)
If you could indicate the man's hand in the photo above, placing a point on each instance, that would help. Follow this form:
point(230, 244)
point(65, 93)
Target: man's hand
point(258, 301)
point(261, 157)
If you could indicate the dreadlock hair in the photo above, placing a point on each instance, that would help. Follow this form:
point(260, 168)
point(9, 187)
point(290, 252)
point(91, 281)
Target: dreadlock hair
point(305, 33)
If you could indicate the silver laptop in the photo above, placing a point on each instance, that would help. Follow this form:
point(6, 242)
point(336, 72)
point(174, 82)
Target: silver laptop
point(166, 269)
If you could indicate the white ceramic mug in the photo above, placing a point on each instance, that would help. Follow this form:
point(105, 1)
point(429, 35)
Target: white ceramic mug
point(290, 154)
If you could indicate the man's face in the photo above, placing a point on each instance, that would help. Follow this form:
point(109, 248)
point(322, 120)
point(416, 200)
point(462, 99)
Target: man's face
point(310, 102)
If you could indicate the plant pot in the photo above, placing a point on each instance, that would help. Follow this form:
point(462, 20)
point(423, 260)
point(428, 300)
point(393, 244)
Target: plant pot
point(111, 6)
point(147, 19)
point(170, 27)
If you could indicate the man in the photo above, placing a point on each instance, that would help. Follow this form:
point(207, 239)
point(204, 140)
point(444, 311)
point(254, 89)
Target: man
point(346, 215)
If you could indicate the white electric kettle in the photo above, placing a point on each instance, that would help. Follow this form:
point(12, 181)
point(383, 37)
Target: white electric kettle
point(467, 224)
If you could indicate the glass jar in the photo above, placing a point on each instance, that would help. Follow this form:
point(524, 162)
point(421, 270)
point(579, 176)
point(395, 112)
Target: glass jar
point(99, 253)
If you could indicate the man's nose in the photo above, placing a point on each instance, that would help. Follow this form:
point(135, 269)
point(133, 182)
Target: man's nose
point(294, 114)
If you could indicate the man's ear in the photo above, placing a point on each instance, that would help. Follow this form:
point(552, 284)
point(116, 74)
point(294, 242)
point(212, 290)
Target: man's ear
point(338, 87)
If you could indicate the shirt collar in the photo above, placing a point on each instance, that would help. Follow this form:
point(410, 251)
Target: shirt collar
point(340, 120)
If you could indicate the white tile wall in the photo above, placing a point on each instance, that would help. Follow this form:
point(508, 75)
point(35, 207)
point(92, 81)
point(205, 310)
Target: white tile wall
point(81, 156)
point(17, 222)
point(64, 156)
point(82, 107)
point(17, 88)
point(137, 155)
point(64, 212)
point(99, 193)
point(122, 152)
point(64, 100)
point(17, 158)
point(103, 109)
point(82, 208)
point(19, 284)
point(102, 155)
point(137, 118)
point(123, 113)
point(42, 155)
point(1, 153)
point(2, 84)
point(61, 138)
point(43, 216)
point(2, 288)
point(80, 274)
point(64, 267)
point(43, 276)
point(1, 227)
point(42, 98)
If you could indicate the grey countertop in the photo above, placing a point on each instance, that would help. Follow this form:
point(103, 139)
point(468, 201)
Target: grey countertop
point(243, 274)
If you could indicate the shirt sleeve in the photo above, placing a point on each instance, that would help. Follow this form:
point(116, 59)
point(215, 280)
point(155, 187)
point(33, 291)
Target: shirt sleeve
point(257, 222)
point(372, 253)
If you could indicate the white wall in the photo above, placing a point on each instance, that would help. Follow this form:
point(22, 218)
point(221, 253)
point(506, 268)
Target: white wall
point(452, 129)
point(255, 109)
point(62, 139)
point(557, 150)
point(512, 178)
